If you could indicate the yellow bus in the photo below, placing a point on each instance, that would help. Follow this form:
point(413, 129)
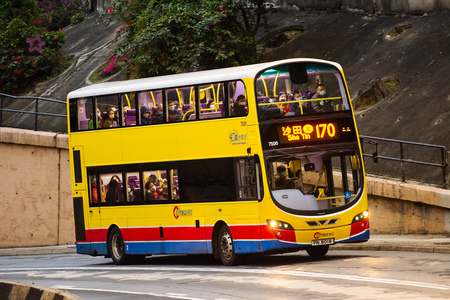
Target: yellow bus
point(261, 158)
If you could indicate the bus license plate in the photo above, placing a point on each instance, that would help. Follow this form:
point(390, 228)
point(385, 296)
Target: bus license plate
point(322, 242)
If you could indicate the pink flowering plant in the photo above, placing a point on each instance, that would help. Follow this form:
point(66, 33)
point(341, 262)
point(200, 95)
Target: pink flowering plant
point(29, 50)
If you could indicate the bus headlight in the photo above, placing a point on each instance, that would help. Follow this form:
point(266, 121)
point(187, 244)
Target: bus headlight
point(361, 216)
point(275, 224)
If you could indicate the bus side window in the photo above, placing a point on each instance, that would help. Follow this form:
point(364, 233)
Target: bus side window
point(112, 185)
point(108, 108)
point(93, 191)
point(85, 114)
point(133, 189)
point(237, 99)
point(128, 101)
point(174, 185)
point(246, 178)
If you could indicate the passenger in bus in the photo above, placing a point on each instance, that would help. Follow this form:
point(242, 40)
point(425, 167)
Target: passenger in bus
point(111, 189)
point(240, 107)
point(268, 112)
point(150, 189)
point(283, 182)
point(146, 115)
point(99, 118)
point(158, 118)
point(111, 119)
point(295, 107)
point(165, 194)
point(189, 112)
point(175, 115)
point(94, 191)
point(322, 105)
point(174, 194)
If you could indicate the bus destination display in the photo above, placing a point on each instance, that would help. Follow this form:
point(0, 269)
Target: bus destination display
point(294, 133)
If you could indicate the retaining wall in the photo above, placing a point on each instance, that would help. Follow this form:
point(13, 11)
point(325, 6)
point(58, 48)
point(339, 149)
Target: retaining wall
point(36, 197)
point(372, 6)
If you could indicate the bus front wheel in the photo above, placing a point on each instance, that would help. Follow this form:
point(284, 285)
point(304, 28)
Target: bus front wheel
point(226, 247)
point(117, 247)
point(317, 251)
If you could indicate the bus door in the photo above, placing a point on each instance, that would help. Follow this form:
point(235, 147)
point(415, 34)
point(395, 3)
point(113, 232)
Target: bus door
point(81, 210)
point(95, 195)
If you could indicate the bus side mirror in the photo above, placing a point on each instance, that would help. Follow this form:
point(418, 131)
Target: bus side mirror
point(298, 73)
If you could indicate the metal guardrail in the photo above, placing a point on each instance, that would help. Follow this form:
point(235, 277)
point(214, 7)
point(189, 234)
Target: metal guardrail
point(373, 141)
point(36, 112)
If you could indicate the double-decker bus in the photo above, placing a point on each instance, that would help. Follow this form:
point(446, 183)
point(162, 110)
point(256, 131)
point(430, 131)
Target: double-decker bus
point(261, 158)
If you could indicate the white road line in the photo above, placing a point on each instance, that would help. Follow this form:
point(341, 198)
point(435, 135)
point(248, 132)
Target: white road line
point(244, 271)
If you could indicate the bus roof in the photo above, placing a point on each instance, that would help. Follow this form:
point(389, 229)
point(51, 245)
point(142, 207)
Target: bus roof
point(185, 79)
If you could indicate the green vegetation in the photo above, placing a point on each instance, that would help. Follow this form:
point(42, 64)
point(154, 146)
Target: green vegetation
point(165, 37)
point(32, 36)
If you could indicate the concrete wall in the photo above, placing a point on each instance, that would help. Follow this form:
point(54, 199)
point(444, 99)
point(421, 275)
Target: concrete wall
point(35, 191)
point(371, 6)
point(36, 197)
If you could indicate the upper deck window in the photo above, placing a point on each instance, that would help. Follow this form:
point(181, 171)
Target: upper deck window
point(300, 89)
point(148, 107)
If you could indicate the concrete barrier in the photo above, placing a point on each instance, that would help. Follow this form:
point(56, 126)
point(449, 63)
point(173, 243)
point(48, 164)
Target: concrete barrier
point(10, 290)
point(36, 196)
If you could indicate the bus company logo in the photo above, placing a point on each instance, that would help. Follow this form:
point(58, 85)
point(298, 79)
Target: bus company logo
point(237, 139)
point(180, 212)
point(319, 235)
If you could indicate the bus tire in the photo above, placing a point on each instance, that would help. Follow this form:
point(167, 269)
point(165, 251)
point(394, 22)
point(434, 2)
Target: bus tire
point(116, 248)
point(226, 247)
point(317, 251)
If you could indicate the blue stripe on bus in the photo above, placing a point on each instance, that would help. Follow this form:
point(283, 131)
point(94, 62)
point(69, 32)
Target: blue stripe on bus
point(364, 236)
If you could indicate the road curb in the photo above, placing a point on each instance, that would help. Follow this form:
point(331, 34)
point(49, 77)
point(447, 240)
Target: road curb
point(12, 290)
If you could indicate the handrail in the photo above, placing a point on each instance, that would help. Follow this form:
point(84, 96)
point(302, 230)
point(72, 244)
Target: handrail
point(36, 112)
point(372, 140)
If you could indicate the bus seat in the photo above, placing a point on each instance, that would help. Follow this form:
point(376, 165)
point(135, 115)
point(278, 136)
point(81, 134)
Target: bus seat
point(84, 124)
point(309, 95)
point(192, 117)
point(185, 107)
point(130, 119)
point(210, 115)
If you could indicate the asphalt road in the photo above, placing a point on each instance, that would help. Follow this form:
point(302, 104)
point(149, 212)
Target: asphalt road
point(342, 274)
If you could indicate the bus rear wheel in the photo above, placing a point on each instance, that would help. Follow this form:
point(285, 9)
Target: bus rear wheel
point(317, 251)
point(226, 247)
point(117, 248)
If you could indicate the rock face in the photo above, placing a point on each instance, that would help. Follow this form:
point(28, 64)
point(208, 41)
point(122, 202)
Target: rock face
point(417, 57)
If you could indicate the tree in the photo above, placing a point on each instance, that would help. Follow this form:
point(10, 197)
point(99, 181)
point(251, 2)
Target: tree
point(31, 40)
point(164, 37)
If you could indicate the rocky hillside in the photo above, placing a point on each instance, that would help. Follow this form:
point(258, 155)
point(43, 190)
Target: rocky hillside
point(409, 52)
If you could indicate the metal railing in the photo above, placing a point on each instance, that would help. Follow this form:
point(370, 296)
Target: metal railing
point(36, 112)
point(373, 141)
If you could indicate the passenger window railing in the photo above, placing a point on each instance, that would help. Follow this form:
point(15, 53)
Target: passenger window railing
point(373, 141)
point(31, 107)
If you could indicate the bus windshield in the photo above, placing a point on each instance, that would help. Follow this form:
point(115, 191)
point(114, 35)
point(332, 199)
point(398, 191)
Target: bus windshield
point(300, 89)
point(317, 181)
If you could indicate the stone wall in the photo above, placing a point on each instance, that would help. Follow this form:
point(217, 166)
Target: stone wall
point(371, 6)
point(36, 197)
